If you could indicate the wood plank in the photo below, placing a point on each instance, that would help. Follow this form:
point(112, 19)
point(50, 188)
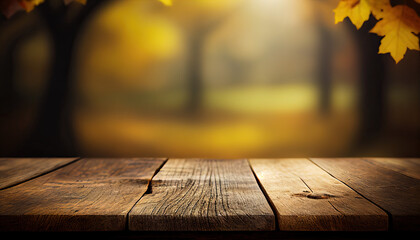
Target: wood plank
point(407, 166)
point(17, 170)
point(88, 195)
point(306, 198)
point(396, 193)
point(203, 195)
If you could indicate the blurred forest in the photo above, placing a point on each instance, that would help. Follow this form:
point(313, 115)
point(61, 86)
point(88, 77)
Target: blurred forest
point(202, 78)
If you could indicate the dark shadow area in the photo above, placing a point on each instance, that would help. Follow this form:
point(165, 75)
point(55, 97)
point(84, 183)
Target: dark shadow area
point(221, 235)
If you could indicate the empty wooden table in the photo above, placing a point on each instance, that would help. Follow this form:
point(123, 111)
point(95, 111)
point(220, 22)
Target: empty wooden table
point(132, 195)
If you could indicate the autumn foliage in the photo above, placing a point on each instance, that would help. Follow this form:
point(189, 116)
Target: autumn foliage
point(10, 7)
point(399, 25)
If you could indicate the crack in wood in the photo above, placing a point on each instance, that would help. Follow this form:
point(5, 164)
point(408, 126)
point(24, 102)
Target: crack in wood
point(148, 191)
point(306, 184)
point(335, 208)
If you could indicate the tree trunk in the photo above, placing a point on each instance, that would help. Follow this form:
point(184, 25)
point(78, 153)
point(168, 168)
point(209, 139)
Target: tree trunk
point(196, 41)
point(8, 92)
point(324, 69)
point(7, 88)
point(372, 94)
point(194, 75)
point(53, 133)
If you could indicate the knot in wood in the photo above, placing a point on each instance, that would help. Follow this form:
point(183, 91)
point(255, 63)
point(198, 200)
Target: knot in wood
point(319, 196)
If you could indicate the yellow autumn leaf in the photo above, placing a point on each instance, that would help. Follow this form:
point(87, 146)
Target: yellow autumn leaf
point(166, 2)
point(399, 25)
point(357, 10)
point(29, 5)
point(378, 7)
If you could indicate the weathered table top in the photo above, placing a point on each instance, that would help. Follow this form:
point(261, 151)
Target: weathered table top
point(139, 194)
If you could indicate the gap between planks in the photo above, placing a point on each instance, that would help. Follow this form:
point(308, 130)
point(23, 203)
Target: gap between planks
point(27, 209)
point(178, 179)
point(387, 212)
point(395, 185)
point(40, 174)
point(272, 205)
point(150, 188)
point(324, 218)
point(148, 191)
point(270, 202)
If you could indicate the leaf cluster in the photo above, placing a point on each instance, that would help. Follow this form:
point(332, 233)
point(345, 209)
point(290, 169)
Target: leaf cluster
point(10, 7)
point(399, 25)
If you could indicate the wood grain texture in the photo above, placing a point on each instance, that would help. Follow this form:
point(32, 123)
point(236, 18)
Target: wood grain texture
point(88, 195)
point(16, 170)
point(407, 166)
point(393, 191)
point(306, 198)
point(203, 195)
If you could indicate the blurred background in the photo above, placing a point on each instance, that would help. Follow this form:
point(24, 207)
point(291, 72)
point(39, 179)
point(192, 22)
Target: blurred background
point(202, 78)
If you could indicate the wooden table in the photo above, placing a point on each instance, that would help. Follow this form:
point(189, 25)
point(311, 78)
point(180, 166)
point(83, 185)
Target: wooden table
point(139, 196)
